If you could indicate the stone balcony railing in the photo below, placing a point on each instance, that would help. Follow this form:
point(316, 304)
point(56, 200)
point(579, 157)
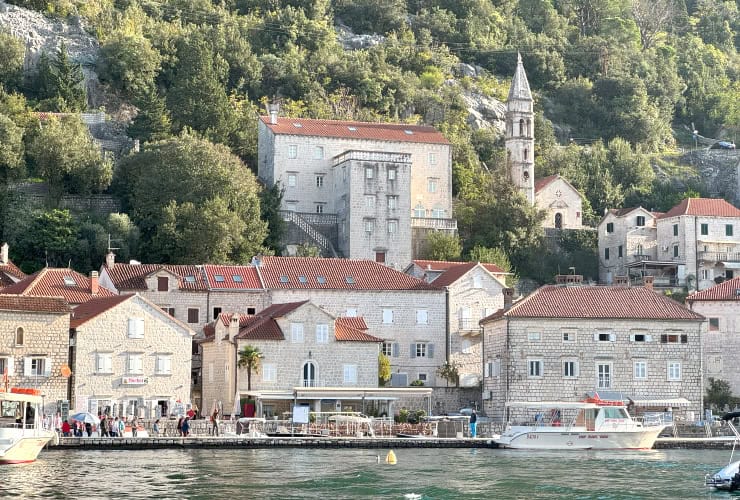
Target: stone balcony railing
point(380, 156)
point(719, 256)
point(469, 325)
point(433, 223)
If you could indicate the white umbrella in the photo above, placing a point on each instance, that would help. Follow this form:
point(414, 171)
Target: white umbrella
point(237, 404)
point(86, 418)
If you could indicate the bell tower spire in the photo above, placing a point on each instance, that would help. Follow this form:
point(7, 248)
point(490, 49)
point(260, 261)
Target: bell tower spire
point(519, 136)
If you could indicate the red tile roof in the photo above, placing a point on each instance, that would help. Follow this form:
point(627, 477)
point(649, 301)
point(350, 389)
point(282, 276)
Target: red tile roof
point(727, 290)
point(9, 271)
point(543, 182)
point(710, 207)
point(345, 332)
point(261, 328)
point(394, 132)
point(232, 277)
point(356, 322)
point(130, 277)
point(53, 282)
point(92, 308)
point(603, 302)
point(54, 305)
point(309, 272)
point(444, 265)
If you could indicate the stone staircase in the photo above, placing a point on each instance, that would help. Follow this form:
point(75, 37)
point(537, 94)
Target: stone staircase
point(311, 232)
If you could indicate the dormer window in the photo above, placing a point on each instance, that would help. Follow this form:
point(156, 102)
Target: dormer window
point(163, 283)
point(352, 129)
point(408, 132)
point(640, 220)
point(190, 278)
point(321, 280)
point(219, 278)
point(297, 125)
point(302, 279)
point(69, 281)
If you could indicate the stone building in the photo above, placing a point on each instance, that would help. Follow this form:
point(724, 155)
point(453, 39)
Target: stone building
point(35, 345)
point(694, 243)
point(9, 272)
point(564, 341)
point(301, 345)
point(472, 291)
point(130, 358)
point(721, 343)
point(316, 160)
point(74, 287)
point(562, 203)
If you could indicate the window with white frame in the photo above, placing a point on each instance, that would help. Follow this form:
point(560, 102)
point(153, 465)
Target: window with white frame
point(19, 336)
point(36, 366)
point(419, 211)
point(640, 336)
point(350, 374)
point(351, 312)
point(674, 370)
point(387, 316)
point(292, 180)
point(465, 346)
point(296, 332)
point(104, 362)
point(370, 202)
point(534, 336)
point(7, 365)
point(269, 372)
point(392, 226)
point(432, 158)
point(369, 173)
point(320, 208)
point(704, 274)
point(603, 375)
point(136, 328)
point(432, 184)
point(492, 368)
point(569, 336)
point(392, 202)
point(320, 181)
point(570, 368)
point(369, 225)
point(322, 334)
point(387, 349)
point(640, 370)
point(292, 151)
point(420, 349)
point(477, 282)
point(438, 213)
point(391, 174)
point(605, 336)
point(318, 152)
point(163, 364)
point(534, 367)
point(422, 317)
point(135, 364)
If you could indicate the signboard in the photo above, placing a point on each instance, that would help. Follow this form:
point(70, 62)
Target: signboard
point(300, 414)
point(134, 380)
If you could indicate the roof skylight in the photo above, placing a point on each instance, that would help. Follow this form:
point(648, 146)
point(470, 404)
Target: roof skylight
point(69, 281)
point(349, 279)
point(408, 132)
point(302, 279)
point(190, 278)
point(321, 279)
point(297, 125)
point(352, 129)
point(237, 278)
point(284, 279)
point(219, 278)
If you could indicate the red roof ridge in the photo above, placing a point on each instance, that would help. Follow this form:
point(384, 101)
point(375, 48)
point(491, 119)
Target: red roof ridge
point(727, 290)
point(543, 182)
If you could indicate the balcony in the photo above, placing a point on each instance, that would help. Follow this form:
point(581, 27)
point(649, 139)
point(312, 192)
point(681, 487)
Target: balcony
point(377, 156)
point(432, 223)
point(468, 325)
point(311, 383)
point(719, 256)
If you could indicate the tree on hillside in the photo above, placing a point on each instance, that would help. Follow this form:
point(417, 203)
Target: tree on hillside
point(249, 358)
point(204, 207)
point(64, 155)
point(152, 123)
point(128, 63)
point(442, 246)
point(12, 52)
point(48, 241)
point(60, 83)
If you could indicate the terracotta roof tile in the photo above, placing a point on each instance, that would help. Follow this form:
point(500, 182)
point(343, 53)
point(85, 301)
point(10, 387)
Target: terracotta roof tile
point(131, 277)
point(55, 305)
point(604, 302)
point(94, 307)
point(728, 290)
point(232, 277)
point(394, 132)
point(12, 270)
point(262, 328)
point(710, 207)
point(543, 182)
point(345, 332)
point(320, 273)
point(444, 265)
point(356, 322)
point(57, 282)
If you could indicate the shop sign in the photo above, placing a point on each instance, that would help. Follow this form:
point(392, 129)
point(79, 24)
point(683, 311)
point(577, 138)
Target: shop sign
point(135, 380)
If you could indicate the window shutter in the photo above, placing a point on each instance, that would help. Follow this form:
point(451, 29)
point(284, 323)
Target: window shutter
point(412, 351)
point(27, 367)
point(487, 369)
point(577, 369)
point(596, 337)
point(98, 363)
point(47, 367)
point(648, 338)
point(396, 349)
point(159, 368)
point(430, 350)
point(612, 337)
point(136, 328)
point(11, 366)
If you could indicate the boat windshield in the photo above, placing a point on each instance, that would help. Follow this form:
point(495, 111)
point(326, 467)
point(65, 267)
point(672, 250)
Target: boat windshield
point(611, 412)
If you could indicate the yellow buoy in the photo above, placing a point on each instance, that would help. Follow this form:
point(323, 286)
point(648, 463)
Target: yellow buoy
point(390, 458)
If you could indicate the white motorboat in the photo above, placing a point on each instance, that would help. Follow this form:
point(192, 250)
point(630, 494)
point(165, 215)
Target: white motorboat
point(22, 435)
point(728, 478)
point(562, 425)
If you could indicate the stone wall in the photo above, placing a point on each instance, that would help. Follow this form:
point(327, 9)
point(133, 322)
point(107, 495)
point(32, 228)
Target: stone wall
point(721, 347)
point(452, 399)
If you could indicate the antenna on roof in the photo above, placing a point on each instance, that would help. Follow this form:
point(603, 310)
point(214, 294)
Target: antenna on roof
point(110, 242)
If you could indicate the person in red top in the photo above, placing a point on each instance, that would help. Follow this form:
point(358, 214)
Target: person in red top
point(66, 429)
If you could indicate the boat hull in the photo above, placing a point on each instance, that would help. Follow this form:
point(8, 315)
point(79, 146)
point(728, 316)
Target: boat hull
point(22, 450)
point(725, 479)
point(534, 439)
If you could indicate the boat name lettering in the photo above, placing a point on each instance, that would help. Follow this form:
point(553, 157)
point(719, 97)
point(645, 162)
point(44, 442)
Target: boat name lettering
point(532, 436)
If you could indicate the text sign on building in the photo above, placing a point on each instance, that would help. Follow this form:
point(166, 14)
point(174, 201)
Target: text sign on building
point(134, 380)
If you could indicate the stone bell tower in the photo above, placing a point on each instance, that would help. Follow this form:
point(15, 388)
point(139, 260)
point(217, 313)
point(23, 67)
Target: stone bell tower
point(519, 135)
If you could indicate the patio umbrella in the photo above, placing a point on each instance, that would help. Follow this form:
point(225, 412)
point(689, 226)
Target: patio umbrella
point(86, 418)
point(237, 405)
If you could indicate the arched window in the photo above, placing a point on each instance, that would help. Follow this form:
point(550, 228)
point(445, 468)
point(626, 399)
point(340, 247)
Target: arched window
point(309, 374)
point(526, 154)
point(19, 336)
point(525, 175)
point(558, 221)
point(521, 126)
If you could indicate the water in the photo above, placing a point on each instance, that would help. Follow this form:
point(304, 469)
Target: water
point(354, 473)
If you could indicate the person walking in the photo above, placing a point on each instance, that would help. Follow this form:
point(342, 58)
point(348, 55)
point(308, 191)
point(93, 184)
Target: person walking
point(473, 424)
point(214, 419)
point(185, 427)
point(155, 428)
point(134, 425)
point(121, 427)
point(103, 426)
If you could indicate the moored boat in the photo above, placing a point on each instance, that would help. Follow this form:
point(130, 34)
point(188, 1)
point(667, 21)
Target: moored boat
point(563, 425)
point(727, 478)
point(22, 436)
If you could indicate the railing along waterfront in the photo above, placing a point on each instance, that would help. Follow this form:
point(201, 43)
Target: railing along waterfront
point(358, 155)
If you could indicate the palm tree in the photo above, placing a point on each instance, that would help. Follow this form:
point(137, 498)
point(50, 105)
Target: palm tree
point(249, 358)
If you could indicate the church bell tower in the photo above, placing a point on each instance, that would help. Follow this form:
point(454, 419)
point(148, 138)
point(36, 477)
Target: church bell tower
point(519, 135)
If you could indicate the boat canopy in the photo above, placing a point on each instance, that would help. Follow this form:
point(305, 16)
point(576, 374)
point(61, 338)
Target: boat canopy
point(551, 404)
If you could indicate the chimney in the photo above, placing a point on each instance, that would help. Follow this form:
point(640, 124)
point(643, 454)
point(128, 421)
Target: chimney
point(110, 260)
point(233, 327)
point(94, 283)
point(508, 298)
point(4, 253)
point(272, 109)
point(622, 280)
point(648, 282)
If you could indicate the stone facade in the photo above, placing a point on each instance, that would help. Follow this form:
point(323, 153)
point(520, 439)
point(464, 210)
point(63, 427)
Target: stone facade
point(36, 357)
point(625, 239)
point(721, 342)
point(527, 360)
point(519, 135)
point(124, 373)
point(562, 203)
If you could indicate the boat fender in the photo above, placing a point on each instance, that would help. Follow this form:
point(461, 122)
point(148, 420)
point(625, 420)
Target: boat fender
point(390, 458)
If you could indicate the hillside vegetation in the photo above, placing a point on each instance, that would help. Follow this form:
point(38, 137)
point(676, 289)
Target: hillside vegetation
point(613, 79)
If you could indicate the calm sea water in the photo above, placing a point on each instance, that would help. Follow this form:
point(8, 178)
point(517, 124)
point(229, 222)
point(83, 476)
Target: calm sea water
point(339, 473)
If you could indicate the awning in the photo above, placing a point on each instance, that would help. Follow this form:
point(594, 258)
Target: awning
point(731, 265)
point(664, 402)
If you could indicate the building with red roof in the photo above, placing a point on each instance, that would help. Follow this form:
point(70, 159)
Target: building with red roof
point(9, 272)
point(301, 345)
point(561, 201)
point(372, 187)
point(563, 341)
point(74, 287)
point(130, 358)
point(691, 245)
point(721, 343)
